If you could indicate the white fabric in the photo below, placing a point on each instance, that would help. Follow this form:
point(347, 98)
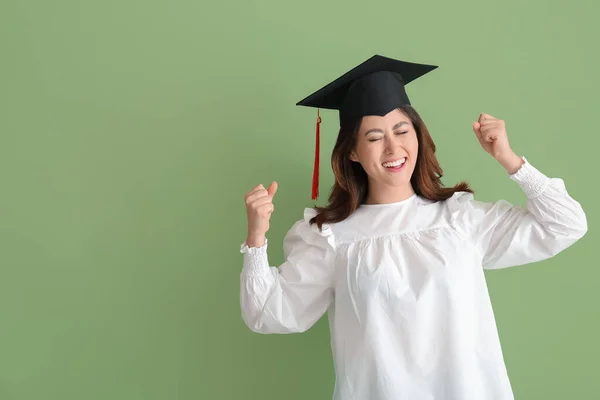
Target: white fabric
point(404, 288)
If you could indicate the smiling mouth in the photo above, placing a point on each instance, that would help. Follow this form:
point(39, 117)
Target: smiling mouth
point(397, 164)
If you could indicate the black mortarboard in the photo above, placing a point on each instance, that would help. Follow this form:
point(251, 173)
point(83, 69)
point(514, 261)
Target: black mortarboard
point(374, 87)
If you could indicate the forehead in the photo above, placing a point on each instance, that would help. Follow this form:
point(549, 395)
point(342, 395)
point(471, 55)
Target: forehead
point(388, 121)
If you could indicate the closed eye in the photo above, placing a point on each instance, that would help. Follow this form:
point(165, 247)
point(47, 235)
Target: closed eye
point(396, 133)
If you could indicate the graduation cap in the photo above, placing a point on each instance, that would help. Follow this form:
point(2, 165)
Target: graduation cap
point(375, 87)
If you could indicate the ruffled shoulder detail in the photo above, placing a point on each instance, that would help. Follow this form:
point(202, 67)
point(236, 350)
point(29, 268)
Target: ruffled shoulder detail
point(467, 213)
point(460, 205)
point(310, 213)
point(459, 202)
point(326, 232)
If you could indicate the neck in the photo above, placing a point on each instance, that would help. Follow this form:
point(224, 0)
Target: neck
point(388, 194)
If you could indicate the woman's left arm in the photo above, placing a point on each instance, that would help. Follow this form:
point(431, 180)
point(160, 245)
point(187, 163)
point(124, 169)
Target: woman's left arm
point(508, 235)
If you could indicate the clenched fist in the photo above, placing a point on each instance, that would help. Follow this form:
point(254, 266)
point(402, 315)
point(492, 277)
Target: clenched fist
point(259, 207)
point(492, 136)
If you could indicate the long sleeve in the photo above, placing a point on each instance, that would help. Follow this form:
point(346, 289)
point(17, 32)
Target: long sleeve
point(292, 297)
point(507, 235)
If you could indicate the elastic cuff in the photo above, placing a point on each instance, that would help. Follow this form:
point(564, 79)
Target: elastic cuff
point(256, 262)
point(531, 180)
point(254, 250)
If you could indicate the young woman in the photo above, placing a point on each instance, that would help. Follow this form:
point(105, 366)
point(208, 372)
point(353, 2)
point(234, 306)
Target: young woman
point(396, 259)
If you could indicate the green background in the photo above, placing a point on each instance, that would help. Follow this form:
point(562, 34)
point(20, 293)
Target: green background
point(131, 130)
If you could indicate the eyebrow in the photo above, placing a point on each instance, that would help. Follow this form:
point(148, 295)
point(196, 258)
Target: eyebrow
point(398, 125)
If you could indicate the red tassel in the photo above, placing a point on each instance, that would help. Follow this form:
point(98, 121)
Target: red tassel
point(315, 182)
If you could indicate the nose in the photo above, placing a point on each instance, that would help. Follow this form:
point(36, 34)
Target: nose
point(391, 145)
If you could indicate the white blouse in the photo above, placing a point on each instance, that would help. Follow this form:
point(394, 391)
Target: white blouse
point(404, 288)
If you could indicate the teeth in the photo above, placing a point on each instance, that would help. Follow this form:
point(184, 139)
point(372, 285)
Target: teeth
point(395, 163)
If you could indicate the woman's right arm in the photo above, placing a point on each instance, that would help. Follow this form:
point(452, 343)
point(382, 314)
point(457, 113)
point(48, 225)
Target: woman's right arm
point(292, 297)
point(289, 298)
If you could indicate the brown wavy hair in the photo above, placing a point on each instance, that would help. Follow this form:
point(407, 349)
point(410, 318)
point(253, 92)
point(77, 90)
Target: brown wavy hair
point(351, 182)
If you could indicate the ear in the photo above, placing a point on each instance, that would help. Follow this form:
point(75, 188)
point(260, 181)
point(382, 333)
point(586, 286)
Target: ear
point(353, 156)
